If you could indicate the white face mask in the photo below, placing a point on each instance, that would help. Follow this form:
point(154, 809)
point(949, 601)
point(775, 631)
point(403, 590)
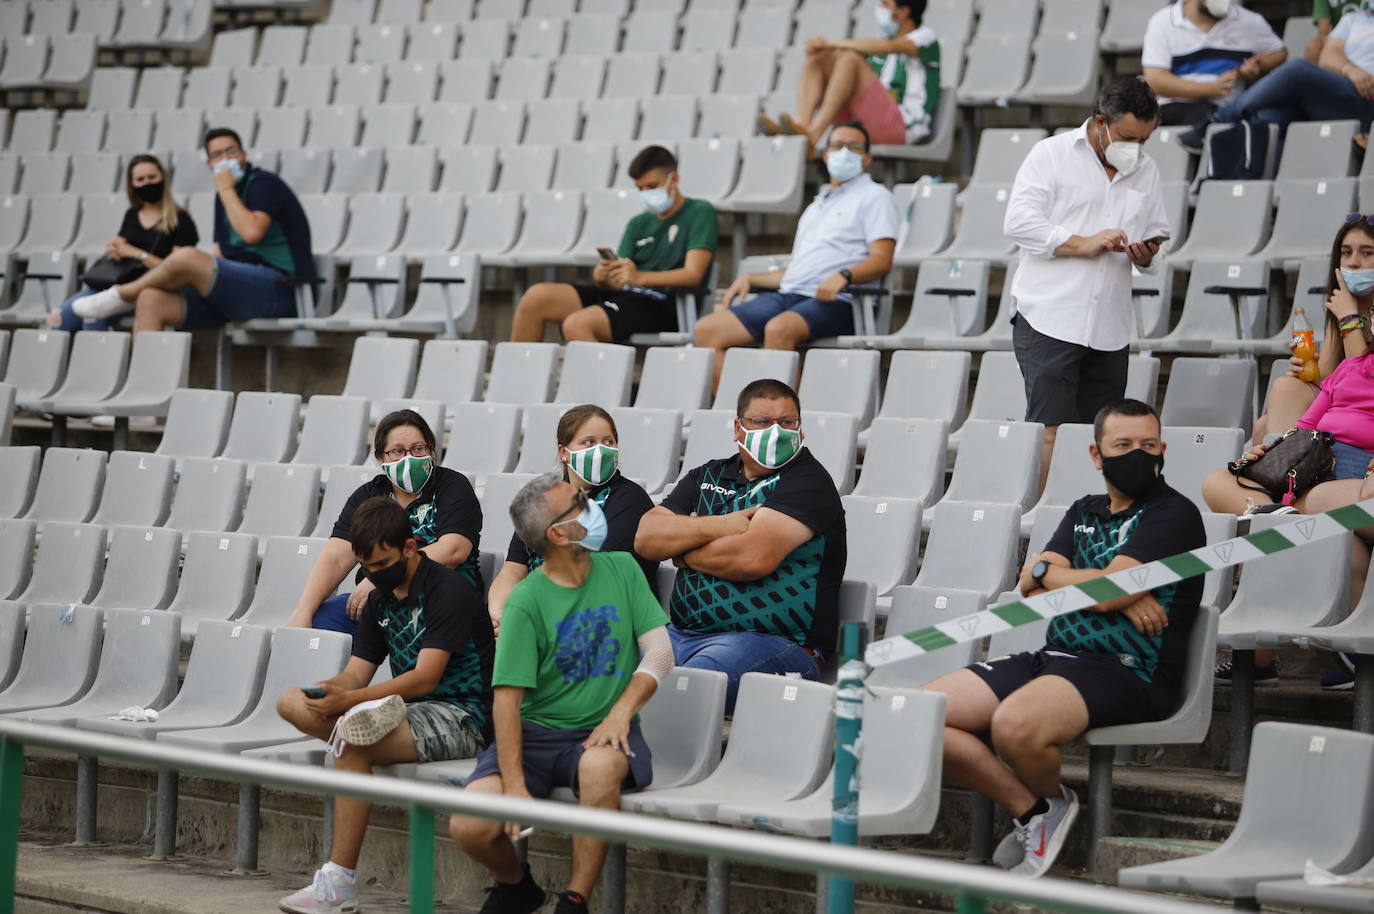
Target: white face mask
point(1124, 157)
point(1217, 8)
point(887, 23)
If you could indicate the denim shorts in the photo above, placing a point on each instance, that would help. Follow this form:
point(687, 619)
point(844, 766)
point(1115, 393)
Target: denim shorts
point(823, 318)
point(551, 758)
point(239, 292)
point(1350, 461)
point(737, 653)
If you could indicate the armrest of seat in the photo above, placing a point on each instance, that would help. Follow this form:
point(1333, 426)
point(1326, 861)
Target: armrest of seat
point(1234, 290)
point(965, 293)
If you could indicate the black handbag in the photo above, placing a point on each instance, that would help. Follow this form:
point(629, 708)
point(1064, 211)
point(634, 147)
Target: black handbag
point(106, 272)
point(1291, 466)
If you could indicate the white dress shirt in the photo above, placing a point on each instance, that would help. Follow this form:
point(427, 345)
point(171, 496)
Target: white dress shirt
point(835, 230)
point(1062, 189)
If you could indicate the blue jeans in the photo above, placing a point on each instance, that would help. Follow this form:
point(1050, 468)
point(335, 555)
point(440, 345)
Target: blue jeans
point(332, 616)
point(1299, 91)
point(737, 653)
point(71, 321)
point(239, 292)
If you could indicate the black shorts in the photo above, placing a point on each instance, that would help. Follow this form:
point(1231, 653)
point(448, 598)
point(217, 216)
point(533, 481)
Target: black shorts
point(1113, 692)
point(1066, 382)
point(551, 758)
point(632, 311)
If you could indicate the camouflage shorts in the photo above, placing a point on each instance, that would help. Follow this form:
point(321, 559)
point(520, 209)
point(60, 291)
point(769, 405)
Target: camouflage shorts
point(443, 731)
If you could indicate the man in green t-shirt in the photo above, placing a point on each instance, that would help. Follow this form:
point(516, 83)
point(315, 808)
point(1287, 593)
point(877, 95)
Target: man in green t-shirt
point(666, 248)
point(583, 646)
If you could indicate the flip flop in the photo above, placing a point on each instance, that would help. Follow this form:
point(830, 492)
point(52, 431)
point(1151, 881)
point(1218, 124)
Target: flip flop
point(790, 126)
point(768, 126)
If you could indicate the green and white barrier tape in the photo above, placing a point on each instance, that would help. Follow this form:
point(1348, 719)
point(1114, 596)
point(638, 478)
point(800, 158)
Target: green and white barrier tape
point(1311, 528)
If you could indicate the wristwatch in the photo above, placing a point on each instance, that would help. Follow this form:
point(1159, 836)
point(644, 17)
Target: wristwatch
point(848, 277)
point(1038, 572)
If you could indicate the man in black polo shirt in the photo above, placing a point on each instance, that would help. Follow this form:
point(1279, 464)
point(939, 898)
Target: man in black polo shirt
point(1119, 662)
point(433, 630)
point(759, 541)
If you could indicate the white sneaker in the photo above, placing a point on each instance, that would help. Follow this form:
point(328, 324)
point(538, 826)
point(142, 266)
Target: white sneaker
point(368, 723)
point(101, 305)
point(329, 893)
point(134, 421)
point(1043, 837)
point(1011, 850)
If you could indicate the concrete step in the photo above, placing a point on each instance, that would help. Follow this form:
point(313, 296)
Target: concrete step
point(1117, 854)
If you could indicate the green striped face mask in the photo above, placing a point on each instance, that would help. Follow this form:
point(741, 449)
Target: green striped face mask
point(409, 474)
point(773, 446)
point(596, 464)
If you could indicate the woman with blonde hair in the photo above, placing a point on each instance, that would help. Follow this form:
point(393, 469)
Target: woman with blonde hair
point(153, 227)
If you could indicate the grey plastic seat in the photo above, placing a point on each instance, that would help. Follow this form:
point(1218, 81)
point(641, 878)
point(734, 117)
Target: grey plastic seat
point(25, 57)
point(137, 490)
point(1066, 69)
point(1195, 452)
point(650, 445)
point(45, 173)
point(683, 722)
point(112, 88)
point(68, 486)
point(1174, 162)
point(68, 566)
point(1217, 585)
point(883, 536)
point(360, 84)
point(343, 482)
point(52, 224)
point(12, 619)
point(352, 12)
point(140, 23)
point(282, 46)
point(997, 462)
point(485, 439)
point(972, 546)
point(37, 363)
point(381, 368)
point(1318, 150)
point(1125, 26)
point(486, 38)
point(539, 36)
point(379, 232)
point(652, 30)
point(674, 377)
point(522, 373)
point(413, 82)
point(470, 170)
point(335, 431)
point(598, 373)
point(93, 172)
point(197, 423)
point(914, 608)
point(234, 48)
point(286, 563)
point(327, 213)
point(980, 234)
point(833, 439)
point(158, 367)
point(523, 168)
point(578, 76)
point(178, 129)
point(711, 30)
point(1297, 892)
point(1302, 782)
point(61, 651)
point(1000, 394)
point(1210, 392)
point(282, 501)
point(298, 655)
point(691, 71)
point(1072, 474)
point(433, 41)
point(497, 495)
point(592, 34)
point(216, 580)
point(209, 495)
point(582, 166)
point(904, 458)
point(1305, 205)
point(929, 385)
point(467, 80)
point(539, 426)
point(451, 371)
point(770, 179)
point(393, 126)
point(780, 750)
point(1231, 220)
point(552, 218)
point(710, 436)
point(223, 679)
point(446, 303)
point(928, 224)
point(714, 165)
point(33, 129)
point(264, 426)
point(611, 120)
point(753, 69)
point(996, 69)
point(744, 365)
point(142, 569)
point(159, 88)
point(414, 170)
point(16, 555)
point(1225, 306)
point(378, 44)
point(729, 115)
point(499, 218)
point(306, 170)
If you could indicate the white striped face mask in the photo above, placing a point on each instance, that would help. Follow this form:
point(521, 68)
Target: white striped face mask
point(596, 464)
point(773, 446)
point(409, 474)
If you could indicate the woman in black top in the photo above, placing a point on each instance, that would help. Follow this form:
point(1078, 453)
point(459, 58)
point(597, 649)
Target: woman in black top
point(589, 450)
point(153, 227)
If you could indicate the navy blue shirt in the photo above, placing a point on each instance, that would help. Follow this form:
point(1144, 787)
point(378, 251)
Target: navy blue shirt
point(286, 246)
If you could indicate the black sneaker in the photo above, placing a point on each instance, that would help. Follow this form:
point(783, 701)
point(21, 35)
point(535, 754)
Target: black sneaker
point(1342, 680)
point(570, 903)
point(1191, 139)
point(524, 897)
point(1271, 508)
point(1264, 675)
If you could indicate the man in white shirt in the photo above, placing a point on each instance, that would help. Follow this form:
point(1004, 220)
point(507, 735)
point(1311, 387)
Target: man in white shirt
point(1085, 207)
point(1340, 86)
point(1199, 54)
point(846, 236)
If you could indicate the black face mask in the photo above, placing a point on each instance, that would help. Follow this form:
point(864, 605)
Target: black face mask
point(1133, 473)
point(389, 578)
point(150, 193)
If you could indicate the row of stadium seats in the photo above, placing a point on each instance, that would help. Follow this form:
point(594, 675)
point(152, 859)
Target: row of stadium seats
point(166, 24)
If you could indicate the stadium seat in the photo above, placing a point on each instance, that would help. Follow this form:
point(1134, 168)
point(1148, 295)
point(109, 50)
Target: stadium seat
point(209, 495)
point(12, 619)
point(1210, 392)
point(334, 432)
point(1066, 66)
point(44, 173)
point(683, 722)
point(159, 366)
point(650, 30)
point(16, 555)
point(728, 115)
point(414, 82)
point(470, 170)
point(554, 122)
point(1124, 31)
point(380, 44)
point(216, 579)
point(522, 373)
point(713, 164)
point(833, 439)
point(599, 373)
point(972, 546)
point(179, 129)
point(197, 423)
point(676, 378)
point(583, 166)
point(539, 426)
point(497, 494)
point(883, 537)
point(780, 750)
point(93, 172)
point(928, 221)
point(1307, 210)
point(360, 84)
point(486, 439)
point(650, 445)
point(998, 461)
point(711, 30)
point(499, 218)
point(592, 34)
point(552, 218)
point(1071, 476)
point(915, 608)
point(611, 119)
point(451, 371)
point(669, 118)
point(6, 413)
point(159, 88)
point(950, 302)
point(904, 458)
point(306, 171)
point(690, 72)
point(68, 566)
point(433, 42)
point(466, 80)
point(411, 170)
point(61, 651)
point(137, 490)
point(1196, 451)
point(539, 37)
point(930, 385)
point(710, 436)
point(439, 307)
point(1302, 780)
point(286, 563)
point(20, 464)
point(1225, 305)
point(141, 569)
point(376, 281)
point(1231, 220)
point(282, 46)
point(282, 501)
point(343, 481)
point(1174, 162)
point(980, 234)
point(1317, 150)
point(996, 69)
point(743, 365)
point(836, 381)
point(68, 486)
point(770, 178)
point(52, 225)
point(578, 77)
point(264, 425)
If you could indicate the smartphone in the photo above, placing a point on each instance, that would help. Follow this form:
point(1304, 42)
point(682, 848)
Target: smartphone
point(1158, 239)
point(313, 691)
point(606, 253)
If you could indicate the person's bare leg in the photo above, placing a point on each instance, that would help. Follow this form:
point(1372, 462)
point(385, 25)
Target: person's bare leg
point(291, 707)
point(1031, 725)
point(720, 330)
point(848, 76)
point(600, 773)
point(969, 709)
point(158, 309)
point(543, 303)
point(350, 814)
point(485, 841)
point(787, 330)
point(1288, 400)
point(1046, 452)
point(1226, 496)
point(590, 325)
point(811, 85)
point(183, 267)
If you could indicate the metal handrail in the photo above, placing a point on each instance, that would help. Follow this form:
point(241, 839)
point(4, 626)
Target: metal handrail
point(973, 885)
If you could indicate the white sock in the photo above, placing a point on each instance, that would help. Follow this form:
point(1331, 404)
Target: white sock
point(350, 875)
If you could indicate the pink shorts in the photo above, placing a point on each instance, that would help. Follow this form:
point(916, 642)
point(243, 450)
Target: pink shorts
point(874, 107)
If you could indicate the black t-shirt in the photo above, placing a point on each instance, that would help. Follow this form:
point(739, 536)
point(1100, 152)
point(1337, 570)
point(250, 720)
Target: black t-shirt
point(1161, 524)
point(157, 243)
point(446, 504)
point(624, 503)
point(800, 599)
point(442, 612)
point(286, 246)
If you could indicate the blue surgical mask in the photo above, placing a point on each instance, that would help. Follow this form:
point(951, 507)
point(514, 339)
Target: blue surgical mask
point(887, 23)
point(235, 168)
point(844, 165)
point(1359, 282)
point(656, 200)
point(593, 520)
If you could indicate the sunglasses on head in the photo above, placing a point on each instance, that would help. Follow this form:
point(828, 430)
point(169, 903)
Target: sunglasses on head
point(1357, 218)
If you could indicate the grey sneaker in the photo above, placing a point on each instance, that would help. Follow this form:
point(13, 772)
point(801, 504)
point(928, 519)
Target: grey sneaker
point(1043, 837)
point(1273, 508)
point(368, 723)
point(328, 893)
point(1012, 850)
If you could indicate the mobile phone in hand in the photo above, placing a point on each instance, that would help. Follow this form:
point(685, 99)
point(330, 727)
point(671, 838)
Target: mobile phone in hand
point(313, 691)
point(1158, 239)
point(606, 253)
